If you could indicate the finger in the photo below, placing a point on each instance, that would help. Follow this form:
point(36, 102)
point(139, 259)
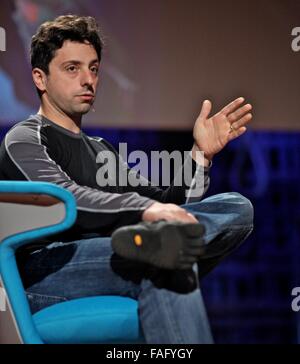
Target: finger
point(206, 109)
point(192, 218)
point(187, 218)
point(239, 113)
point(182, 217)
point(232, 106)
point(242, 122)
point(237, 133)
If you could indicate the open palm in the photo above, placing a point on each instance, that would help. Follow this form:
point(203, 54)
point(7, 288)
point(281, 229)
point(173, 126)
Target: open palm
point(211, 134)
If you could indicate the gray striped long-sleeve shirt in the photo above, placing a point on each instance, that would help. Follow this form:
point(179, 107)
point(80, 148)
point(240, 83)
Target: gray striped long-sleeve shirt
point(38, 149)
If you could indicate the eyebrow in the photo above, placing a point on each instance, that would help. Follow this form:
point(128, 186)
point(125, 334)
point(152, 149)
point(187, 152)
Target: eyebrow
point(74, 61)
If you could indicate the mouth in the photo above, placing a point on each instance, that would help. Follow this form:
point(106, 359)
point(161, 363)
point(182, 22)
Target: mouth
point(87, 97)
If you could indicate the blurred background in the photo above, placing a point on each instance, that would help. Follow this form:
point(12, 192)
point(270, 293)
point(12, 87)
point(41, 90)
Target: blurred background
point(162, 59)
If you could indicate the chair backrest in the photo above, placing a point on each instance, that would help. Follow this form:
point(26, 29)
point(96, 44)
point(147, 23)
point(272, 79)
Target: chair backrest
point(28, 211)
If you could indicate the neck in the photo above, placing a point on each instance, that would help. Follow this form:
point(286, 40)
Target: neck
point(72, 123)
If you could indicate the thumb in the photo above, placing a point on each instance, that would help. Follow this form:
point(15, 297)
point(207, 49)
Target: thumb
point(206, 109)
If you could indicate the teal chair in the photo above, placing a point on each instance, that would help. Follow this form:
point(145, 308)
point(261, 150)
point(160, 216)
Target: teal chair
point(30, 211)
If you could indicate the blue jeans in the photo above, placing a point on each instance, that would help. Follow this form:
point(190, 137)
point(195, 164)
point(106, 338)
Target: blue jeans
point(171, 307)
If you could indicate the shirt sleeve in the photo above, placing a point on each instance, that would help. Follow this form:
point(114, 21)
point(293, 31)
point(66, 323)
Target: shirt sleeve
point(189, 185)
point(96, 210)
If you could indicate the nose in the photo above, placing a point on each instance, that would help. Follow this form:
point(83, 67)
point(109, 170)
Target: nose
point(87, 78)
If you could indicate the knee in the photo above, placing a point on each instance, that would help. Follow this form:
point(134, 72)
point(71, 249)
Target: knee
point(242, 207)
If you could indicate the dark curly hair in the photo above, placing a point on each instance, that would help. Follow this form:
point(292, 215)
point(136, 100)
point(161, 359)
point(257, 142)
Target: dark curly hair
point(51, 35)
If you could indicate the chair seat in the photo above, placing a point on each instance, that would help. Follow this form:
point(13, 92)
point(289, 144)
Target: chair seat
point(102, 319)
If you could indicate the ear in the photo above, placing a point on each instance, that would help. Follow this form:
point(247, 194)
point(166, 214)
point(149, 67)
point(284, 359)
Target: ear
point(39, 79)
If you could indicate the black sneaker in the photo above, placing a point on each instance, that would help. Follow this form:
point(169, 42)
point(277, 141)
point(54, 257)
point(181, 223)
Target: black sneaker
point(166, 245)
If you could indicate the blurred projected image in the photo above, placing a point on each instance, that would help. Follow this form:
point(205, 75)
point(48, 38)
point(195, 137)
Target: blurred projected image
point(21, 17)
point(163, 58)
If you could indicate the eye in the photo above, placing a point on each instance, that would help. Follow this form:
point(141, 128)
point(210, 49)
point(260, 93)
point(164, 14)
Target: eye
point(72, 69)
point(95, 70)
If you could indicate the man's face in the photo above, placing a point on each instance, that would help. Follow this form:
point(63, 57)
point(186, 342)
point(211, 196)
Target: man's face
point(73, 78)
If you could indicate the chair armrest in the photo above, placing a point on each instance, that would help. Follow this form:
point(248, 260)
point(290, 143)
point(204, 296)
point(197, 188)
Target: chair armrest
point(38, 207)
point(29, 199)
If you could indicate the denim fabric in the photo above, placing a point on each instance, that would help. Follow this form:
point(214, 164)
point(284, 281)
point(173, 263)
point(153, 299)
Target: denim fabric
point(171, 307)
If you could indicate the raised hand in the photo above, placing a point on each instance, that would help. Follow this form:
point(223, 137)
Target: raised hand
point(211, 134)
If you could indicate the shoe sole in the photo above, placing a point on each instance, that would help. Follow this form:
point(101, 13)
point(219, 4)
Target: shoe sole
point(170, 245)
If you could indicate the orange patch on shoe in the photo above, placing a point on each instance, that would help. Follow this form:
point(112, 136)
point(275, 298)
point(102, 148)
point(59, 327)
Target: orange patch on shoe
point(138, 240)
